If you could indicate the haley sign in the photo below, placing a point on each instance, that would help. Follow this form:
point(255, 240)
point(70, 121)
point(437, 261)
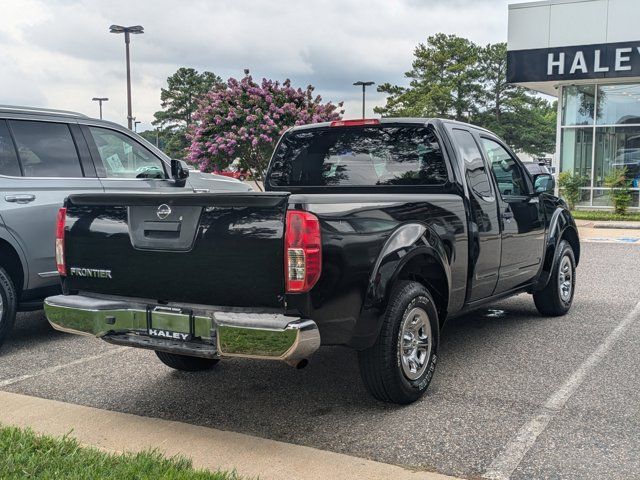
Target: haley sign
point(610, 60)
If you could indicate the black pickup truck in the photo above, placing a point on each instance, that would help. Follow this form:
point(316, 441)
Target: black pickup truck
point(370, 234)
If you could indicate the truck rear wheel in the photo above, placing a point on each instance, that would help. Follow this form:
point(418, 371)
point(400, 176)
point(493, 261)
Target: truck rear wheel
point(399, 366)
point(186, 363)
point(8, 304)
point(555, 299)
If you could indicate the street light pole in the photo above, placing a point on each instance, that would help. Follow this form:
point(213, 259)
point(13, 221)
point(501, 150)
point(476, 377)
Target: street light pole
point(364, 86)
point(126, 46)
point(136, 29)
point(100, 100)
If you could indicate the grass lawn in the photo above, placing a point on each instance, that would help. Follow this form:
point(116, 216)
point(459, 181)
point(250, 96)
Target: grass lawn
point(603, 215)
point(23, 454)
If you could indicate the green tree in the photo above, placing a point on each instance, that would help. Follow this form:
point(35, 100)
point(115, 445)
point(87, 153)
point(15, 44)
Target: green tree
point(444, 81)
point(179, 101)
point(525, 121)
point(454, 78)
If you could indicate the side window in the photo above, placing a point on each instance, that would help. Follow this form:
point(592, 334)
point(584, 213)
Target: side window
point(123, 157)
point(46, 149)
point(508, 173)
point(8, 159)
point(475, 171)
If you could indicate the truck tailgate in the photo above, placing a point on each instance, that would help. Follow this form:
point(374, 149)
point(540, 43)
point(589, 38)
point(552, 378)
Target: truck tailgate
point(222, 249)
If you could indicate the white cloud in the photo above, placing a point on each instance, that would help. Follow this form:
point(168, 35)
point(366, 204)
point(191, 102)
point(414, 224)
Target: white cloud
point(59, 53)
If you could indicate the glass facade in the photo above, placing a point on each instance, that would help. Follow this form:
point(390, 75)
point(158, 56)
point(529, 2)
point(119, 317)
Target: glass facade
point(600, 131)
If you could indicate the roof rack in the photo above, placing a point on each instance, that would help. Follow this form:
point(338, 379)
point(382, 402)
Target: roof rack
point(41, 111)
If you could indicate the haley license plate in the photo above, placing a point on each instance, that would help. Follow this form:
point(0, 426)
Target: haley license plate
point(166, 322)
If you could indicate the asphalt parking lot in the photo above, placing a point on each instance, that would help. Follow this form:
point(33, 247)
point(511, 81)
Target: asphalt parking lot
point(499, 372)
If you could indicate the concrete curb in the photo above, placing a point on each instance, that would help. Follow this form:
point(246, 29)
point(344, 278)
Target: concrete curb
point(207, 447)
point(617, 225)
point(608, 224)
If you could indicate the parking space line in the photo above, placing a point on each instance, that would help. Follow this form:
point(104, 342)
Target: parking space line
point(508, 460)
point(45, 371)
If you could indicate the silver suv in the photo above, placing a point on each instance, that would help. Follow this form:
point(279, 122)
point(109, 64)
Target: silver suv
point(46, 155)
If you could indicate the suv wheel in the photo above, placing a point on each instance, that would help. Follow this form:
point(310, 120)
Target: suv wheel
point(399, 366)
point(8, 304)
point(185, 362)
point(556, 298)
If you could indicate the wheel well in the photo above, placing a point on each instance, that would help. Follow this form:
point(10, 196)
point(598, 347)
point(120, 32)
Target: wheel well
point(427, 271)
point(571, 236)
point(10, 261)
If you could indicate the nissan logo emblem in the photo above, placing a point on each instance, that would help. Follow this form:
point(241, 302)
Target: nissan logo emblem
point(163, 211)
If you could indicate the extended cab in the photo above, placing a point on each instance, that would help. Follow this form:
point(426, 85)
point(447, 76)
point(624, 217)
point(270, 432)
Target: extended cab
point(370, 234)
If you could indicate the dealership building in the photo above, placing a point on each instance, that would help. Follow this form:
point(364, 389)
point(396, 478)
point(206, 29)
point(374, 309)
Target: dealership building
point(587, 54)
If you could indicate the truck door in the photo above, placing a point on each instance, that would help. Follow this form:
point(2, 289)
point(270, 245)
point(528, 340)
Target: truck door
point(521, 217)
point(484, 251)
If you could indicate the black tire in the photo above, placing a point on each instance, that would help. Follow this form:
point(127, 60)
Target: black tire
point(186, 363)
point(9, 304)
point(553, 301)
point(381, 366)
point(242, 178)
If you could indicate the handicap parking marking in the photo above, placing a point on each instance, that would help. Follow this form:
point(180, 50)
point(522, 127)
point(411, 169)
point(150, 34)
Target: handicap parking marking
point(633, 240)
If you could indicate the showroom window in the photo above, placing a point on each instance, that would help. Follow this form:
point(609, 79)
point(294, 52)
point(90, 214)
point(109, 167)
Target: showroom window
point(600, 131)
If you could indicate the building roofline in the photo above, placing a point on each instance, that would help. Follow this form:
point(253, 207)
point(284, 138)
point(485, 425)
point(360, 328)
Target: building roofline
point(544, 3)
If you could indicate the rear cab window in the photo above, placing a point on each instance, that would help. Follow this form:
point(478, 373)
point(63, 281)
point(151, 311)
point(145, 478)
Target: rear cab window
point(475, 171)
point(377, 155)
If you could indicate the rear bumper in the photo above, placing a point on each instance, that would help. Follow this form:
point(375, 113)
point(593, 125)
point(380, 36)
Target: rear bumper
point(213, 333)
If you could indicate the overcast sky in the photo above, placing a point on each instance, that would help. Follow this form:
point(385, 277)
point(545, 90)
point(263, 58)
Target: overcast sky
point(59, 54)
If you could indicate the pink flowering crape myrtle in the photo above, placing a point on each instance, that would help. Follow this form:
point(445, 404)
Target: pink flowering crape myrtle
point(245, 120)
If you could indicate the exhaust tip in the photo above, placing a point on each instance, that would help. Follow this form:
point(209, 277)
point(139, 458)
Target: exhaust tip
point(302, 363)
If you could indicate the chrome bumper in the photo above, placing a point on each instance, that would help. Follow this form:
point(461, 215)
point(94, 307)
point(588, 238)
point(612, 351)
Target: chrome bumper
point(214, 334)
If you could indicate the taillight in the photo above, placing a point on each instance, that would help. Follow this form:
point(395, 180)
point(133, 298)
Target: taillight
point(355, 123)
point(303, 251)
point(62, 218)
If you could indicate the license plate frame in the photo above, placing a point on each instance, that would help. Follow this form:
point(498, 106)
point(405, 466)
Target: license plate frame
point(170, 313)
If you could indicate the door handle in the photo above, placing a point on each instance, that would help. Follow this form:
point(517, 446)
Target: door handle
point(20, 198)
point(508, 216)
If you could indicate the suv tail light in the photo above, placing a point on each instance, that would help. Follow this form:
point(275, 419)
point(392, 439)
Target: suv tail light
point(60, 223)
point(303, 251)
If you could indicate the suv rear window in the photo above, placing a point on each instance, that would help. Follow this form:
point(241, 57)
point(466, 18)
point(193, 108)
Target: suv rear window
point(46, 149)
point(358, 156)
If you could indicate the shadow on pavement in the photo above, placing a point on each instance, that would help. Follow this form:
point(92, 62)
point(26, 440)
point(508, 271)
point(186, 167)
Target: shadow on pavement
point(30, 328)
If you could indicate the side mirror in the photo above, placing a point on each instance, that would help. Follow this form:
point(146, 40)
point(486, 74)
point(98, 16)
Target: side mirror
point(544, 183)
point(179, 172)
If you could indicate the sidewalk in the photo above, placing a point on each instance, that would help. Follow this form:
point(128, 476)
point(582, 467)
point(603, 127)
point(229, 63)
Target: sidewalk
point(207, 447)
point(603, 231)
